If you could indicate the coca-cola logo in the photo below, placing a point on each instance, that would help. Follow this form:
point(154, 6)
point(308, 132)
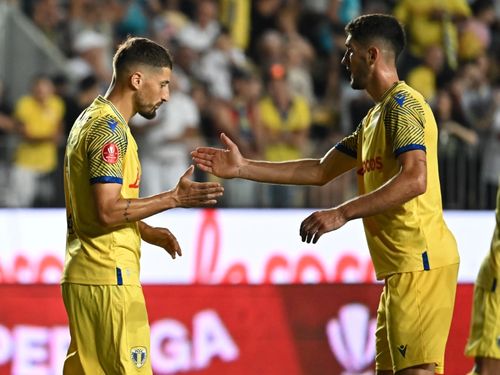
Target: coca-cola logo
point(278, 266)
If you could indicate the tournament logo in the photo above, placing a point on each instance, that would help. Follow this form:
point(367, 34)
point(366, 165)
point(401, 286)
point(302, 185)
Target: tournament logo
point(110, 153)
point(352, 338)
point(138, 354)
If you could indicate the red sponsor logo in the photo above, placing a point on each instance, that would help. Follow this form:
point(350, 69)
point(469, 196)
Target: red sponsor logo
point(110, 153)
point(370, 165)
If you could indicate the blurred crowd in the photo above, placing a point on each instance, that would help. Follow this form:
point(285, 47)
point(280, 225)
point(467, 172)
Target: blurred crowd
point(268, 74)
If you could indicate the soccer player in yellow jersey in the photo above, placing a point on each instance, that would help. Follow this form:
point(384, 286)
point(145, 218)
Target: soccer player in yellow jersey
point(100, 284)
point(394, 151)
point(484, 337)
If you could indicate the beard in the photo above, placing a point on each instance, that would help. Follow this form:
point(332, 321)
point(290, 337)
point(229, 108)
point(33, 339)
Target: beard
point(148, 115)
point(356, 84)
point(147, 110)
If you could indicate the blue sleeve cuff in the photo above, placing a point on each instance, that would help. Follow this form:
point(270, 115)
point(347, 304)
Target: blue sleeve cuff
point(106, 180)
point(345, 150)
point(407, 148)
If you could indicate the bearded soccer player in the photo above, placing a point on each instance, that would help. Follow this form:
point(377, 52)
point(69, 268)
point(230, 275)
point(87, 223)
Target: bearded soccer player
point(394, 151)
point(100, 285)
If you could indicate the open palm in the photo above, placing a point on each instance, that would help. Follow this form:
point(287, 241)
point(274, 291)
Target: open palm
point(224, 163)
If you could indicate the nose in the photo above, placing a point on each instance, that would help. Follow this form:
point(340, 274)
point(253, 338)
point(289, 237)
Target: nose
point(165, 96)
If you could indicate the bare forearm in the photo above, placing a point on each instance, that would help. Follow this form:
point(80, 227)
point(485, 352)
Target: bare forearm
point(146, 231)
point(296, 172)
point(397, 191)
point(130, 210)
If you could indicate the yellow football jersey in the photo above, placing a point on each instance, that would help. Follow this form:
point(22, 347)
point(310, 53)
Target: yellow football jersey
point(413, 236)
point(100, 149)
point(490, 268)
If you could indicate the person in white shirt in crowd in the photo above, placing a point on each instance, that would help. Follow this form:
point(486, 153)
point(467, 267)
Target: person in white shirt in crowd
point(165, 142)
point(200, 34)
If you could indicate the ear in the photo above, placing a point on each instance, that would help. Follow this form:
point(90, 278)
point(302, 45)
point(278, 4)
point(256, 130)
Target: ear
point(136, 80)
point(373, 54)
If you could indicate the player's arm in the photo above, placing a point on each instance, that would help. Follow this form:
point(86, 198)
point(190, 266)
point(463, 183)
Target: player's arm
point(113, 209)
point(408, 183)
point(405, 129)
point(229, 163)
point(161, 237)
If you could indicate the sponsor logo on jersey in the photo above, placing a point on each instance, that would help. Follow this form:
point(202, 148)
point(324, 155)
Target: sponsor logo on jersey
point(110, 153)
point(138, 354)
point(370, 165)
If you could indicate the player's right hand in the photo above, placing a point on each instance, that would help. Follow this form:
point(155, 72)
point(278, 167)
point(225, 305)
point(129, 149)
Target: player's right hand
point(224, 163)
point(190, 193)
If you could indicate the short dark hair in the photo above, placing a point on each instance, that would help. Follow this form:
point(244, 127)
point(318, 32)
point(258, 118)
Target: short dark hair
point(144, 51)
point(369, 27)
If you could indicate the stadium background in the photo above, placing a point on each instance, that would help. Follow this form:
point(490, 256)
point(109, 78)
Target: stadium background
point(247, 297)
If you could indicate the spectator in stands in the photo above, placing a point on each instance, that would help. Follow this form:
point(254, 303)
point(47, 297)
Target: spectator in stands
point(168, 22)
point(201, 33)
point(6, 122)
point(450, 129)
point(286, 119)
point(48, 17)
point(270, 48)
point(207, 109)
point(39, 116)
point(91, 59)
point(136, 17)
point(94, 15)
point(235, 15)
point(490, 168)
point(298, 53)
point(164, 142)
point(239, 118)
point(424, 77)
point(263, 19)
point(215, 65)
point(430, 22)
point(7, 126)
point(475, 35)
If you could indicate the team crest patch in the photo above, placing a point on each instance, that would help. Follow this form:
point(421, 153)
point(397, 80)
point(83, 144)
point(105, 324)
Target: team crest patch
point(110, 153)
point(138, 354)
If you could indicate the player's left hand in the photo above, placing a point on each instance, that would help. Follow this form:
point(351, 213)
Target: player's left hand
point(162, 237)
point(321, 222)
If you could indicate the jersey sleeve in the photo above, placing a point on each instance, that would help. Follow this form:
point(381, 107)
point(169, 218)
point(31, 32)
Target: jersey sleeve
point(106, 149)
point(404, 122)
point(349, 145)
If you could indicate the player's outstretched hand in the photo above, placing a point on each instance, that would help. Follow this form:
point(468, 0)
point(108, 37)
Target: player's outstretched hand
point(321, 222)
point(225, 163)
point(189, 193)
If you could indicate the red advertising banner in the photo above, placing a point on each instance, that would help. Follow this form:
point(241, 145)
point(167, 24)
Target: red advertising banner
point(265, 329)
